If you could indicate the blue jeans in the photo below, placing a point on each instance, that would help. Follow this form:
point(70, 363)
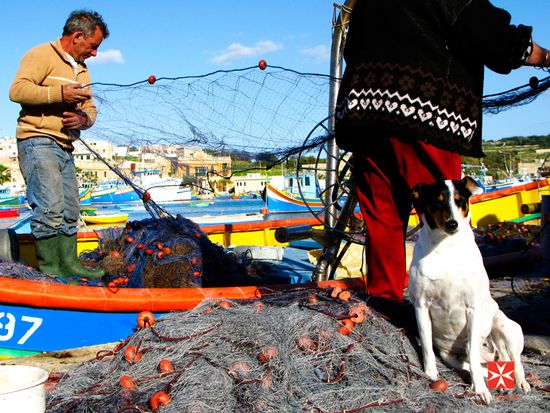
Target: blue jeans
point(52, 187)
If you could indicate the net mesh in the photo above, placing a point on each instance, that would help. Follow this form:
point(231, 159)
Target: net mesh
point(286, 352)
point(248, 109)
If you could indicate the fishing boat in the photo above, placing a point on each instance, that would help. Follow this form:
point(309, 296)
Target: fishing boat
point(118, 191)
point(282, 202)
point(488, 184)
point(487, 208)
point(113, 192)
point(32, 312)
point(9, 213)
point(162, 190)
point(85, 195)
point(104, 219)
point(7, 198)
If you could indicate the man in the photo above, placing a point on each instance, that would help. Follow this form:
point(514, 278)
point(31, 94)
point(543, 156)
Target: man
point(409, 106)
point(52, 87)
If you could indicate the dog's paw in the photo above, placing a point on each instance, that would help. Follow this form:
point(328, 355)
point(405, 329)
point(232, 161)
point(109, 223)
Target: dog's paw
point(431, 372)
point(523, 385)
point(483, 393)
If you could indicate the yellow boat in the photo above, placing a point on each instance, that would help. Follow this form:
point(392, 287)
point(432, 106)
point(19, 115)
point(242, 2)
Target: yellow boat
point(107, 219)
point(502, 205)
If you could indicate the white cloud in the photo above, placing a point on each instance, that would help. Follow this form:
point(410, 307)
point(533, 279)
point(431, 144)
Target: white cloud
point(236, 51)
point(319, 54)
point(107, 56)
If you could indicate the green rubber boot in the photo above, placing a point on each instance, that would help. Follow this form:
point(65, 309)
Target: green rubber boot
point(69, 264)
point(47, 254)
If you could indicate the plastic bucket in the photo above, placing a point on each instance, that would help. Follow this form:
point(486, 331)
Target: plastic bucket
point(22, 389)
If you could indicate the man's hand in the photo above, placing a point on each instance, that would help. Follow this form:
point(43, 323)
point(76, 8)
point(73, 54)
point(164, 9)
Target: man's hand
point(75, 120)
point(74, 93)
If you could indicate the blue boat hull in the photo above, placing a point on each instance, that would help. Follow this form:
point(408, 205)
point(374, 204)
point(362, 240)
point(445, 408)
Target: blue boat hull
point(38, 329)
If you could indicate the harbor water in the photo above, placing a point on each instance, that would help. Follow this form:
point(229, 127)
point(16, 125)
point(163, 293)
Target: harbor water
point(203, 212)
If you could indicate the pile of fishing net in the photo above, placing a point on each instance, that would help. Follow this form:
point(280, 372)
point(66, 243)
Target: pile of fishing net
point(164, 253)
point(303, 350)
point(153, 253)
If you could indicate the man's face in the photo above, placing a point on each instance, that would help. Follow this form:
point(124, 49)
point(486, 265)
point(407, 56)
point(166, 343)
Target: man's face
point(85, 47)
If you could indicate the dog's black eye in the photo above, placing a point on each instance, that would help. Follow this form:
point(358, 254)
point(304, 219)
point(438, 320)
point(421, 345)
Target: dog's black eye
point(460, 201)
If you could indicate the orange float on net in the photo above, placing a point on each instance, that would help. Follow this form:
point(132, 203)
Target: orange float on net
point(305, 344)
point(357, 313)
point(132, 355)
point(159, 399)
point(312, 299)
point(145, 319)
point(165, 366)
point(344, 295)
point(335, 291)
point(238, 369)
point(347, 327)
point(127, 382)
point(440, 385)
point(267, 354)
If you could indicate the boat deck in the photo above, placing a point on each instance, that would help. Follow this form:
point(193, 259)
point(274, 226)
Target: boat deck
point(12, 222)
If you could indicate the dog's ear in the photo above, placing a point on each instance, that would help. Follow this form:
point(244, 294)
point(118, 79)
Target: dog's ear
point(416, 195)
point(472, 186)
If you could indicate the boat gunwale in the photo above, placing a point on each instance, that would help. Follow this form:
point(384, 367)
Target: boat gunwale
point(46, 295)
point(499, 193)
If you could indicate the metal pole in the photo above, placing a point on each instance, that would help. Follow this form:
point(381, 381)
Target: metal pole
point(338, 36)
point(336, 73)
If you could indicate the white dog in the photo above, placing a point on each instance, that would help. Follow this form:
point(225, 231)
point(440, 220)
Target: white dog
point(449, 288)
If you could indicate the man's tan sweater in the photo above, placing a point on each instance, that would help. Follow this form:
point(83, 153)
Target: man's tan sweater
point(37, 87)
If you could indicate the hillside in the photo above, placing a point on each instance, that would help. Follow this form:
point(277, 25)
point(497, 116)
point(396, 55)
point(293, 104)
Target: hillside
point(503, 155)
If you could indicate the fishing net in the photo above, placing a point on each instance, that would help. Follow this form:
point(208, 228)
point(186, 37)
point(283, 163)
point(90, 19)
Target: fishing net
point(521, 95)
point(296, 351)
point(256, 110)
point(164, 253)
point(153, 253)
point(252, 110)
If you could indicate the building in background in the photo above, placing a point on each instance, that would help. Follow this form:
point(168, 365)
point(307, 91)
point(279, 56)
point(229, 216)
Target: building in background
point(192, 165)
point(255, 183)
point(9, 159)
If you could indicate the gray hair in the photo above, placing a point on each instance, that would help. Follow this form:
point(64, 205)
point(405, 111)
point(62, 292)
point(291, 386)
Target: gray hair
point(85, 21)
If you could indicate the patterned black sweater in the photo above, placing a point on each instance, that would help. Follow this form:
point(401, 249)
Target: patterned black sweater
point(414, 70)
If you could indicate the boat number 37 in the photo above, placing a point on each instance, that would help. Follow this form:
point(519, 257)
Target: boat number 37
point(7, 326)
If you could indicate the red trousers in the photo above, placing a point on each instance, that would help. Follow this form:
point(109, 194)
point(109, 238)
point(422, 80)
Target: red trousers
point(385, 175)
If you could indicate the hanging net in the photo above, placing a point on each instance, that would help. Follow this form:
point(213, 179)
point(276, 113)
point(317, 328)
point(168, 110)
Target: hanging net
point(252, 110)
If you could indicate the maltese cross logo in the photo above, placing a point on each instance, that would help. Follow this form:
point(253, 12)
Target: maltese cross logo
point(501, 374)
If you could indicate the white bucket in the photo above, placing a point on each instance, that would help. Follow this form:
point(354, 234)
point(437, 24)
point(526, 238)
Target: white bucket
point(22, 389)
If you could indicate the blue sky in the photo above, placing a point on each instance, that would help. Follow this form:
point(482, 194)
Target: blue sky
point(180, 37)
